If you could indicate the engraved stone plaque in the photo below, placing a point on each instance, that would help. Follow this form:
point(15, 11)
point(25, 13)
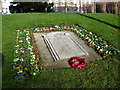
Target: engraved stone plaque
point(61, 45)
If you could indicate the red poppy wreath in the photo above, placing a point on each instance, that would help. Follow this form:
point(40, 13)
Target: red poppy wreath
point(77, 62)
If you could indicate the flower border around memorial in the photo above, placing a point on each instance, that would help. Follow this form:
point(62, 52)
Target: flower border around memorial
point(27, 60)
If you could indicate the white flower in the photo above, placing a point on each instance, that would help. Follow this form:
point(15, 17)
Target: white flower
point(31, 60)
point(27, 39)
point(83, 35)
point(22, 51)
point(95, 36)
point(101, 49)
point(16, 59)
point(20, 41)
point(96, 39)
point(33, 56)
point(90, 32)
point(106, 45)
point(56, 26)
point(17, 46)
point(50, 28)
point(16, 51)
point(106, 51)
point(98, 47)
point(80, 33)
point(20, 71)
point(21, 59)
point(89, 40)
point(28, 42)
point(34, 73)
point(93, 43)
point(31, 52)
point(87, 37)
point(24, 30)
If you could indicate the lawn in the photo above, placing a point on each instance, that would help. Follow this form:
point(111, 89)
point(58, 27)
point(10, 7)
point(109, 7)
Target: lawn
point(98, 74)
point(109, 18)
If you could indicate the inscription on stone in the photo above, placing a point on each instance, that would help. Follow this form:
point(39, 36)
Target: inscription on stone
point(61, 45)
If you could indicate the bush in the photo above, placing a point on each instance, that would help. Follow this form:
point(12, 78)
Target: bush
point(25, 7)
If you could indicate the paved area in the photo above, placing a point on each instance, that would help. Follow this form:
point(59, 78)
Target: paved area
point(56, 48)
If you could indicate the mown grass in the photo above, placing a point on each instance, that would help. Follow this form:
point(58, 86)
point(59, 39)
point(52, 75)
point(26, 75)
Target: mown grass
point(95, 76)
point(109, 18)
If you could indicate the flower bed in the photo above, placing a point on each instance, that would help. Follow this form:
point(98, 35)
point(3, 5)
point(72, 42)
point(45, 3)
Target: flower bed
point(27, 59)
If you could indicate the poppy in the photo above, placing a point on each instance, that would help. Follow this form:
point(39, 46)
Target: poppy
point(91, 45)
point(20, 66)
point(100, 52)
point(35, 46)
point(22, 56)
point(38, 57)
point(104, 53)
point(36, 51)
point(39, 63)
point(32, 39)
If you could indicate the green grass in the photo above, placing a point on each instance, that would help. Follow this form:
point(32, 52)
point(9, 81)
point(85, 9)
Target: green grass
point(95, 76)
point(109, 18)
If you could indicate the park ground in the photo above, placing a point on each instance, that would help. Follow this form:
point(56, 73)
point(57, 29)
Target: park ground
point(99, 74)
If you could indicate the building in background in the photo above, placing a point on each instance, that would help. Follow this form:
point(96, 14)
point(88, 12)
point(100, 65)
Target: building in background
point(59, 5)
point(75, 6)
point(69, 5)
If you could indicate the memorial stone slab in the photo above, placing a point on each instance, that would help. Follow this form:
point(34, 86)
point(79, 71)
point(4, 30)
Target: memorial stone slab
point(56, 48)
